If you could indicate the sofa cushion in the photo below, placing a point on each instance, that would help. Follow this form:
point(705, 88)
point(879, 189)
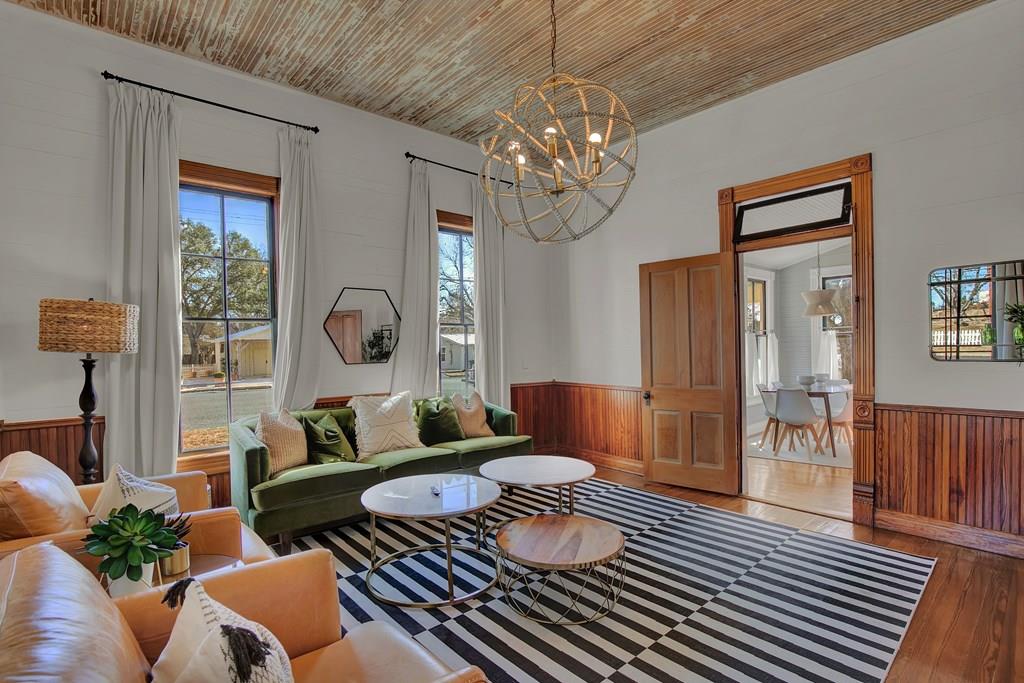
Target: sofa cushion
point(326, 441)
point(122, 487)
point(52, 612)
point(438, 421)
point(37, 498)
point(384, 423)
point(476, 451)
point(472, 415)
point(284, 438)
point(409, 461)
point(313, 481)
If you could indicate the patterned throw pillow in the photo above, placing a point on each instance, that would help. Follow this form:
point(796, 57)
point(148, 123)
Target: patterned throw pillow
point(209, 642)
point(123, 487)
point(284, 438)
point(384, 423)
point(472, 416)
point(326, 442)
point(37, 498)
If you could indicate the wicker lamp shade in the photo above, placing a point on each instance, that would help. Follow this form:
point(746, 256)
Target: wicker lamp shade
point(78, 326)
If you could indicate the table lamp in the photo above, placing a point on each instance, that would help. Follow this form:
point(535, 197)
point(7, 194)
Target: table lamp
point(77, 326)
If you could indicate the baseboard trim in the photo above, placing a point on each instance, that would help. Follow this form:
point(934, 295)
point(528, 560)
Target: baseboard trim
point(949, 532)
point(603, 460)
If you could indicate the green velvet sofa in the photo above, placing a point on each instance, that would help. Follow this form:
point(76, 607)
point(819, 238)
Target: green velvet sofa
point(316, 496)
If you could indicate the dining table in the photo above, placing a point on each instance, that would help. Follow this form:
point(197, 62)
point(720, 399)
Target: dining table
point(824, 391)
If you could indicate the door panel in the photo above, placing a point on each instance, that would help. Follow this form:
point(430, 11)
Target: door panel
point(688, 354)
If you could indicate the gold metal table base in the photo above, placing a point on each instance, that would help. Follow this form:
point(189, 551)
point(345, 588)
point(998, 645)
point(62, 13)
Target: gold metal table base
point(449, 549)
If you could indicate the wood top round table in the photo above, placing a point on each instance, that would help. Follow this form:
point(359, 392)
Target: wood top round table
point(537, 553)
point(428, 497)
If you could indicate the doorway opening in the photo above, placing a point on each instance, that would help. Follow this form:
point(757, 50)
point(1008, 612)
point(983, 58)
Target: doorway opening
point(797, 355)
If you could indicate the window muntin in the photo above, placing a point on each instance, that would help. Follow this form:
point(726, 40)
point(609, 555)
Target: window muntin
point(975, 312)
point(227, 311)
point(456, 289)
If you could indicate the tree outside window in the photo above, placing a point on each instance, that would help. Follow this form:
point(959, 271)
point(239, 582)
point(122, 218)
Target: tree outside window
point(227, 312)
point(457, 341)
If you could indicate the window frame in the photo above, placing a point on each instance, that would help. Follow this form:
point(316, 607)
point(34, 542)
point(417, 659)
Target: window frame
point(957, 283)
point(820, 278)
point(844, 218)
point(462, 226)
point(225, 182)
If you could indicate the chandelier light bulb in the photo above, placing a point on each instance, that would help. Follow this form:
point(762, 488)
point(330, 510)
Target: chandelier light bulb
point(595, 138)
point(551, 137)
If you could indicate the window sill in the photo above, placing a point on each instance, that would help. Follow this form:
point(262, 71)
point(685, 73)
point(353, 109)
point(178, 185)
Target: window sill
point(211, 462)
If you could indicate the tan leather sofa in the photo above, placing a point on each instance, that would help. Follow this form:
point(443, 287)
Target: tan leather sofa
point(60, 625)
point(213, 531)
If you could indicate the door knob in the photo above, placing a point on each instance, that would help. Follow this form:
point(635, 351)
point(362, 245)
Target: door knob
point(647, 397)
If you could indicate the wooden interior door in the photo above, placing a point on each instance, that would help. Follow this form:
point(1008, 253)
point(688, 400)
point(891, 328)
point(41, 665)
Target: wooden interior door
point(346, 329)
point(689, 343)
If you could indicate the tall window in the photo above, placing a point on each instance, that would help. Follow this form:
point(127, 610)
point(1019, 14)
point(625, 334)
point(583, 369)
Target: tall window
point(457, 343)
point(757, 313)
point(227, 311)
point(842, 321)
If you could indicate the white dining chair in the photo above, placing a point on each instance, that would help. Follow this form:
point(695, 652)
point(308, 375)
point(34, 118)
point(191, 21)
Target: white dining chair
point(844, 420)
point(796, 414)
point(768, 399)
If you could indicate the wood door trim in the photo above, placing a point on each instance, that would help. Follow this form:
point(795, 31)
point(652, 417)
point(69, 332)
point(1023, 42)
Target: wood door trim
point(795, 238)
point(858, 170)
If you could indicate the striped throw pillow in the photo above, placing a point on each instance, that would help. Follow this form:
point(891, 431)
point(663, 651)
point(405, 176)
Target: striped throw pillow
point(284, 438)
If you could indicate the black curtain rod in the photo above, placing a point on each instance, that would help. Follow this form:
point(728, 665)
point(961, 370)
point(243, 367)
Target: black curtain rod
point(410, 156)
point(121, 79)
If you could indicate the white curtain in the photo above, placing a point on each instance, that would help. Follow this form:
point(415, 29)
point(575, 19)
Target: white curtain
point(771, 372)
point(416, 364)
point(489, 276)
point(143, 389)
point(752, 360)
point(827, 359)
point(297, 354)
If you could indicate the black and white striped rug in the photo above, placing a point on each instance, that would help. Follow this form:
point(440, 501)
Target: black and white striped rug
point(709, 596)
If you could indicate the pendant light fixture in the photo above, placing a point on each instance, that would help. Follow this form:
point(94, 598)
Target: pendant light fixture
point(561, 158)
point(819, 301)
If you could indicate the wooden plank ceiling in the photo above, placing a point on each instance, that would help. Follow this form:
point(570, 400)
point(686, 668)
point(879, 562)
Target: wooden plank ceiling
point(444, 65)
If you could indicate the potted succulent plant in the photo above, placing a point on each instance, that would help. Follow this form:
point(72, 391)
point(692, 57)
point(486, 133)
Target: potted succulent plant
point(178, 561)
point(130, 543)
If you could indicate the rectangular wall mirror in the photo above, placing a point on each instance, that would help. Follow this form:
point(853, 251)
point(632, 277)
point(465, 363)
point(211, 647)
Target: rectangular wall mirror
point(977, 312)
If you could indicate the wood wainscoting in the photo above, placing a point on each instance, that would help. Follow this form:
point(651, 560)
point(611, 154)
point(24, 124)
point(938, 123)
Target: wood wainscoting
point(58, 440)
point(596, 422)
point(954, 474)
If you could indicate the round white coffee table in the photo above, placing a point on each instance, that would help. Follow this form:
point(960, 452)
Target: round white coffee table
point(425, 497)
point(540, 471)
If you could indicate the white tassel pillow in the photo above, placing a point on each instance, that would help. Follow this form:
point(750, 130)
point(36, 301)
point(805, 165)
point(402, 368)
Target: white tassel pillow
point(384, 423)
point(123, 487)
point(209, 642)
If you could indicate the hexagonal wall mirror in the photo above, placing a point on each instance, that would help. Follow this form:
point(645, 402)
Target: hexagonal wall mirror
point(363, 325)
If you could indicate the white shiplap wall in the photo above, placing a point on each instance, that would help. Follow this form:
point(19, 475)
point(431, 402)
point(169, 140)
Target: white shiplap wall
point(941, 110)
point(53, 195)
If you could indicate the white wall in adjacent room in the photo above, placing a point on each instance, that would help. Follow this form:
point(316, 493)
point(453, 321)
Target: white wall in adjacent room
point(54, 218)
point(942, 112)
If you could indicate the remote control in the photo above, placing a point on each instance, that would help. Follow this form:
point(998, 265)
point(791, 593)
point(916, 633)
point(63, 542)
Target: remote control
point(436, 491)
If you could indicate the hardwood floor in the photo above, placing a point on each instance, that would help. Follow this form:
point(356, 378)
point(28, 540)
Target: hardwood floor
point(814, 488)
point(969, 625)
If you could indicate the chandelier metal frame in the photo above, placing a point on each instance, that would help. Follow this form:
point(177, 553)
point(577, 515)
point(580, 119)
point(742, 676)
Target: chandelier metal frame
point(571, 148)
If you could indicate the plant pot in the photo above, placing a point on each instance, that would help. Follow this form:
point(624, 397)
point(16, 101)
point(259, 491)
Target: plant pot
point(125, 586)
point(177, 563)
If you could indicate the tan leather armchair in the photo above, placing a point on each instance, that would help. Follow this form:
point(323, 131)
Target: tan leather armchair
point(209, 527)
point(296, 598)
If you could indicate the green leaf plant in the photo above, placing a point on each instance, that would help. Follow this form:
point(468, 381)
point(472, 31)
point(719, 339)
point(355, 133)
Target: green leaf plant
point(129, 539)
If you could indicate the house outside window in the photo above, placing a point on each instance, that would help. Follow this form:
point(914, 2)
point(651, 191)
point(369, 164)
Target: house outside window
point(227, 311)
point(457, 333)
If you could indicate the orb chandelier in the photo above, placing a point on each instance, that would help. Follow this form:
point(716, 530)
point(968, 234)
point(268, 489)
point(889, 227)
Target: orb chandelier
point(561, 158)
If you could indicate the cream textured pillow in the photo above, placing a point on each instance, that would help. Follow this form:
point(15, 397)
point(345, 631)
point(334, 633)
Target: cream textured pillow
point(123, 487)
point(37, 498)
point(384, 423)
point(209, 642)
point(285, 440)
point(472, 417)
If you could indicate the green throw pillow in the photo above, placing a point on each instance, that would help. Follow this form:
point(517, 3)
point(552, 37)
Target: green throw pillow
point(438, 421)
point(326, 441)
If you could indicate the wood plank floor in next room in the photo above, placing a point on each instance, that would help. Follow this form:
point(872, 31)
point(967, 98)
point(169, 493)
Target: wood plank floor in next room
point(970, 623)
